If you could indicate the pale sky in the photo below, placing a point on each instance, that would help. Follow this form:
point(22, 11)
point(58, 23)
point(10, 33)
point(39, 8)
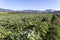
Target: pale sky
point(30, 4)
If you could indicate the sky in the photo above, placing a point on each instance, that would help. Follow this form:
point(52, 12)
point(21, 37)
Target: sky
point(30, 4)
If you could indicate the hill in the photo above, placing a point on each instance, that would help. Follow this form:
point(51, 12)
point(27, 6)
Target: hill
point(48, 10)
point(6, 10)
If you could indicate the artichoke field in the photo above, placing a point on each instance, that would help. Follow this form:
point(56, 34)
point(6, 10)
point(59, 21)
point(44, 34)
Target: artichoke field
point(29, 26)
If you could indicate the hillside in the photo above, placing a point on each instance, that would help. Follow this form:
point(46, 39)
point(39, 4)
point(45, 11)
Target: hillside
point(37, 11)
point(6, 10)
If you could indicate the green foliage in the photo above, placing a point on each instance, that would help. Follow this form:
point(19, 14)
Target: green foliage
point(29, 27)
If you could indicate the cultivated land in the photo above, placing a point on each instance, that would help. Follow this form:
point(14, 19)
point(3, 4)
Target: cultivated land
point(29, 26)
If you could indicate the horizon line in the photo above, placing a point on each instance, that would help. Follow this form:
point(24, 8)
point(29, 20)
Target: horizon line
point(30, 9)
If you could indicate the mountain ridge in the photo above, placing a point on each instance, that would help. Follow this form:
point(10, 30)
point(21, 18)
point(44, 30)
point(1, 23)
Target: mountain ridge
point(48, 10)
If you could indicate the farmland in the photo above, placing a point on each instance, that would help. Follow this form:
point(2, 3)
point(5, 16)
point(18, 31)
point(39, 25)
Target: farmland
point(29, 26)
